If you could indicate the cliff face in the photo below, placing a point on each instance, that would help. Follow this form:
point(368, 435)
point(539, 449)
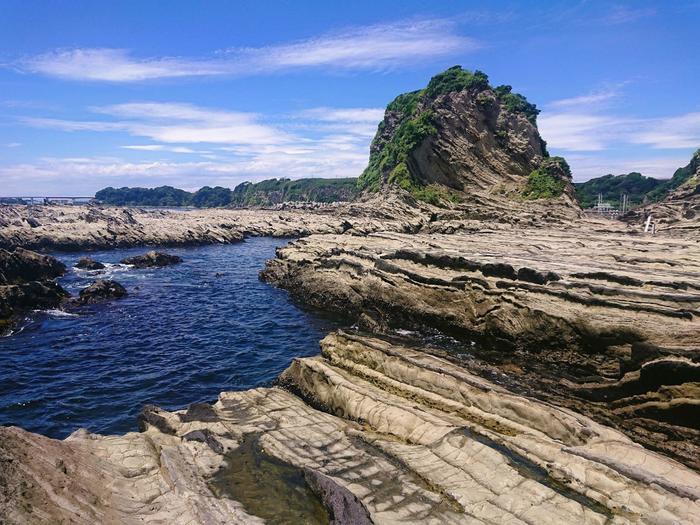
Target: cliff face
point(462, 140)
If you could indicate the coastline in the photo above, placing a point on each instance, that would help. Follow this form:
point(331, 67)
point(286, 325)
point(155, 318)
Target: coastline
point(372, 425)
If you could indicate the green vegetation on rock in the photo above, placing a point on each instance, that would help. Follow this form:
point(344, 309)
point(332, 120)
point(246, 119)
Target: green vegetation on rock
point(456, 79)
point(680, 177)
point(264, 193)
point(392, 157)
point(516, 103)
point(406, 103)
point(410, 120)
point(549, 180)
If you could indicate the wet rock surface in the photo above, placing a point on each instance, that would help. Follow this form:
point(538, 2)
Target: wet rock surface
point(152, 259)
point(100, 291)
point(26, 283)
point(372, 430)
point(88, 263)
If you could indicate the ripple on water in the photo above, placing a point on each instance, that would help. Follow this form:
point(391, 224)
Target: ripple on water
point(181, 335)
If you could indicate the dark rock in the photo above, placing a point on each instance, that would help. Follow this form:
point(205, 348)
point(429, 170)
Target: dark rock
point(26, 284)
point(21, 266)
point(199, 412)
point(88, 263)
point(205, 436)
point(100, 291)
point(499, 270)
point(153, 415)
point(346, 507)
point(17, 298)
point(152, 259)
point(533, 276)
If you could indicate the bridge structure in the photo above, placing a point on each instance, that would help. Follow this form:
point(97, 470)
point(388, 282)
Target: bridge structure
point(36, 200)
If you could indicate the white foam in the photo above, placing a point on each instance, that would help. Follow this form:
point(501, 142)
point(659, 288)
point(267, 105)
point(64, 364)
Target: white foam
point(57, 313)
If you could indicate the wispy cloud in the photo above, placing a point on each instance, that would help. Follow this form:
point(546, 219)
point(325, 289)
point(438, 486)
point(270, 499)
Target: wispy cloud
point(585, 100)
point(116, 65)
point(318, 142)
point(682, 131)
point(174, 123)
point(581, 132)
point(372, 115)
point(621, 14)
point(376, 47)
point(594, 132)
point(13, 144)
point(160, 147)
point(590, 122)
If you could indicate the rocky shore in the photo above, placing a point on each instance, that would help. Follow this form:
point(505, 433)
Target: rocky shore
point(603, 323)
point(510, 361)
point(74, 228)
point(376, 431)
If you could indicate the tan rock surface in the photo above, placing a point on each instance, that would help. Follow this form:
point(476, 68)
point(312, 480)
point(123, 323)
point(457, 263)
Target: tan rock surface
point(404, 436)
point(88, 227)
point(604, 323)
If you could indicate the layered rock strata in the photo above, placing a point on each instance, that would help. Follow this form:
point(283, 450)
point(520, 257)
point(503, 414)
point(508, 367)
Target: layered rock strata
point(376, 432)
point(606, 324)
point(92, 227)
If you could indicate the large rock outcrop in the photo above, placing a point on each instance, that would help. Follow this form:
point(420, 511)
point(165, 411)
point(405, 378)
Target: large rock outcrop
point(27, 282)
point(70, 228)
point(462, 140)
point(370, 432)
point(608, 324)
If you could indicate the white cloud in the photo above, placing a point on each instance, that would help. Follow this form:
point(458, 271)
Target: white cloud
point(585, 100)
point(595, 132)
point(323, 142)
point(115, 65)
point(13, 144)
point(372, 47)
point(367, 115)
point(174, 123)
point(160, 147)
point(682, 131)
point(588, 123)
point(585, 167)
point(623, 14)
point(580, 132)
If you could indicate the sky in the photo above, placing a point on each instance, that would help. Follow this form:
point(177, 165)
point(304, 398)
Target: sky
point(148, 93)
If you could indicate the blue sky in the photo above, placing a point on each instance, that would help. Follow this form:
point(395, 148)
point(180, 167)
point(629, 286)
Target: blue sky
point(96, 94)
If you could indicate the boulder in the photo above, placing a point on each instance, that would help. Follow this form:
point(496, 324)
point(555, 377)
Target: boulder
point(21, 266)
point(26, 283)
point(88, 263)
point(152, 259)
point(100, 291)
